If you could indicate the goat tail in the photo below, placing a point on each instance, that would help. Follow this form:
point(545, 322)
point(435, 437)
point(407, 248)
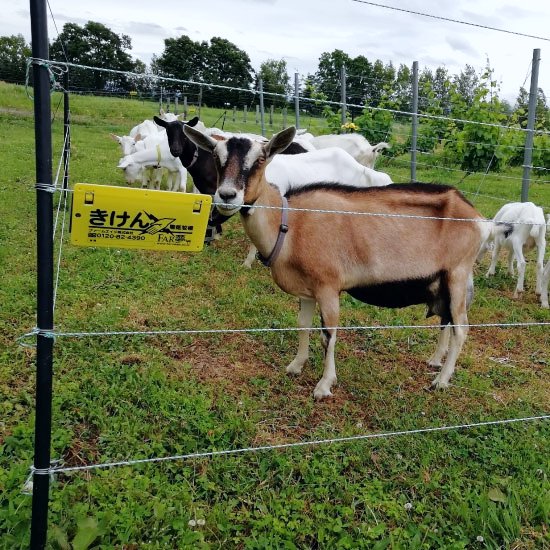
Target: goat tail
point(536, 230)
point(502, 228)
point(380, 147)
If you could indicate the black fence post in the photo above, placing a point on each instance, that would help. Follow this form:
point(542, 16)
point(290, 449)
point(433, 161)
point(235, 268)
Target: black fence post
point(44, 307)
point(66, 130)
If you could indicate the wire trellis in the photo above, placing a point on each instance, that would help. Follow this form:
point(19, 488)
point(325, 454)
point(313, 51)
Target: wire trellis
point(58, 469)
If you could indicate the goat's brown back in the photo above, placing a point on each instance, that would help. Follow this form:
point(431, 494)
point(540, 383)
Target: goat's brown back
point(358, 249)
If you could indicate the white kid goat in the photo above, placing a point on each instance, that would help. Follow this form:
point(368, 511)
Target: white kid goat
point(154, 154)
point(519, 227)
point(382, 260)
point(355, 144)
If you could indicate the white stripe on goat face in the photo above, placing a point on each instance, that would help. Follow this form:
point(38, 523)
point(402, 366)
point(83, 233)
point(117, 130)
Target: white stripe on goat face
point(221, 152)
point(252, 156)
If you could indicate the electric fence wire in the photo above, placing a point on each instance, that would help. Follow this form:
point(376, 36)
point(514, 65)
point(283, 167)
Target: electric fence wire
point(51, 63)
point(59, 469)
point(441, 18)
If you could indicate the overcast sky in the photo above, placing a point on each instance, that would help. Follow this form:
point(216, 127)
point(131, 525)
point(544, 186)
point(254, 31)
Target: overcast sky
point(301, 30)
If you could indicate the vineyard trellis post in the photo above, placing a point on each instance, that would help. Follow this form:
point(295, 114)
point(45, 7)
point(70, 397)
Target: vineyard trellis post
point(529, 135)
point(343, 94)
point(45, 286)
point(262, 112)
point(297, 99)
point(200, 100)
point(414, 119)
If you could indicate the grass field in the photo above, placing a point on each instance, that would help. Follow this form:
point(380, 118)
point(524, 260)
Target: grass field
point(137, 397)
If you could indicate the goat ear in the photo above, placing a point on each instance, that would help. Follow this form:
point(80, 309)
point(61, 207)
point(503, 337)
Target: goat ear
point(114, 137)
point(180, 117)
point(199, 139)
point(160, 121)
point(279, 142)
point(193, 121)
point(138, 137)
point(161, 111)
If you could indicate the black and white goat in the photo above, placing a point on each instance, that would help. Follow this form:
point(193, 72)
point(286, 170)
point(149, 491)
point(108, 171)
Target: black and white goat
point(381, 260)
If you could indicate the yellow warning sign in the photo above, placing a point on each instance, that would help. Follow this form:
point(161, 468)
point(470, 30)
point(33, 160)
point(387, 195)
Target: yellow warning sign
point(122, 217)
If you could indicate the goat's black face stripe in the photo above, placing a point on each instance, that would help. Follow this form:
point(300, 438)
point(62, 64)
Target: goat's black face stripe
point(238, 163)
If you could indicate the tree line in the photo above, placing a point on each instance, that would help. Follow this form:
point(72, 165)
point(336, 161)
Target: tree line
point(467, 95)
point(219, 61)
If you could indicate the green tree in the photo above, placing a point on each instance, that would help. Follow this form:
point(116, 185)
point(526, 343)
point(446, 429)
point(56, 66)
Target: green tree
point(275, 79)
point(310, 91)
point(358, 71)
point(521, 111)
point(228, 65)
point(13, 53)
point(94, 45)
point(479, 146)
point(218, 62)
point(182, 58)
point(403, 88)
point(328, 75)
point(466, 84)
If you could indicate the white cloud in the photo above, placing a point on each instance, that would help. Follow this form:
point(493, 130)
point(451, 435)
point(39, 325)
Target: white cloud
point(300, 31)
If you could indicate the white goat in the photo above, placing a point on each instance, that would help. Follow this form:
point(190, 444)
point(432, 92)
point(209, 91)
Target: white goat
point(154, 152)
point(334, 165)
point(150, 176)
point(144, 129)
point(381, 260)
point(355, 144)
point(519, 226)
point(169, 117)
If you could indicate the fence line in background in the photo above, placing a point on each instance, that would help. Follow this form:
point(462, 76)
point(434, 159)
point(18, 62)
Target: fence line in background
point(153, 77)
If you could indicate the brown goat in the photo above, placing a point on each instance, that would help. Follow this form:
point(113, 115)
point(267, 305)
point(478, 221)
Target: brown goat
point(386, 261)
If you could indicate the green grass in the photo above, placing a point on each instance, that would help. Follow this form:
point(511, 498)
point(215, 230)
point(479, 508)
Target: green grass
point(123, 398)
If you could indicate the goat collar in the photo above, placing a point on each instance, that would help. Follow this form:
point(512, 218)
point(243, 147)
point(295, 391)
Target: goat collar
point(195, 157)
point(159, 156)
point(283, 229)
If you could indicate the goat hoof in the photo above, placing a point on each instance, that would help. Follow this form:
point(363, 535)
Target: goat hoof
point(321, 394)
point(518, 294)
point(322, 390)
point(435, 363)
point(294, 368)
point(438, 384)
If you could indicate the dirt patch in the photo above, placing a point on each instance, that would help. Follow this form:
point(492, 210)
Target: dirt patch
point(84, 446)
